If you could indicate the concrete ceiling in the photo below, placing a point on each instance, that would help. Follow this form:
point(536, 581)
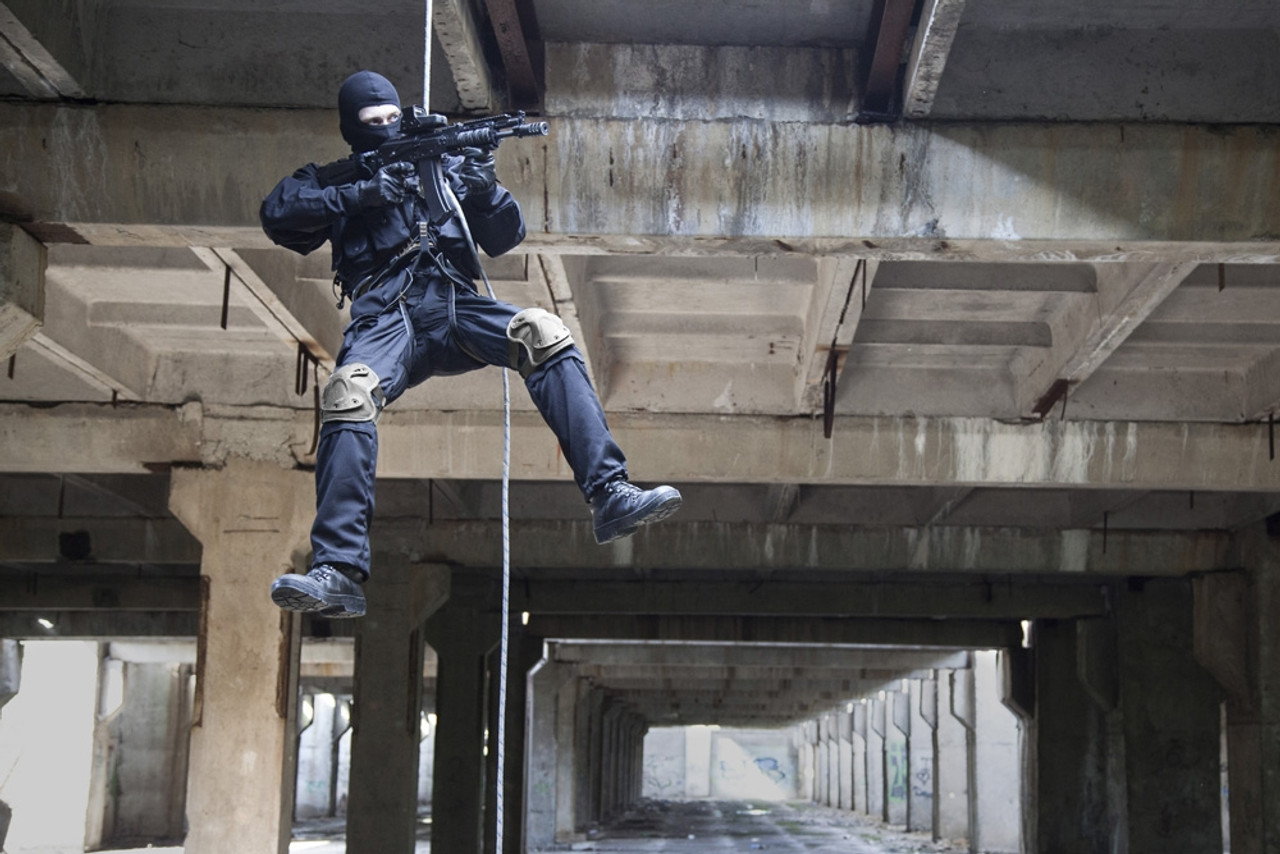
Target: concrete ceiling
point(1040, 279)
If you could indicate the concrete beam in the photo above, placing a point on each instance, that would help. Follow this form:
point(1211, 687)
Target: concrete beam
point(1126, 296)
point(85, 370)
point(23, 56)
point(952, 634)
point(90, 438)
point(98, 540)
point(866, 450)
point(840, 293)
point(871, 451)
point(97, 625)
point(46, 592)
point(674, 676)
point(624, 655)
point(268, 306)
point(22, 266)
point(456, 29)
point(935, 33)
point(694, 546)
point(846, 597)
point(1262, 387)
point(999, 192)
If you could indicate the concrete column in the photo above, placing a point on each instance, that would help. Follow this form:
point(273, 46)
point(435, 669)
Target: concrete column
point(859, 738)
point(923, 700)
point(844, 736)
point(1071, 743)
point(828, 761)
point(542, 752)
point(876, 729)
point(591, 721)
point(697, 762)
point(523, 652)
point(954, 736)
point(462, 632)
point(897, 771)
point(997, 818)
point(427, 747)
point(316, 749)
point(820, 777)
point(382, 807)
point(637, 754)
point(252, 520)
point(568, 701)
point(805, 734)
point(1170, 707)
point(22, 264)
point(609, 759)
point(1237, 626)
point(141, 733)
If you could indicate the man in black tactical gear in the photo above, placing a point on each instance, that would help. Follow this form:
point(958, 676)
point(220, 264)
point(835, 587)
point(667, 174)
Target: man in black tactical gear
point(415, 313)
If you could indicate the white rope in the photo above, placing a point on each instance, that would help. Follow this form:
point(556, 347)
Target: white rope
point(426, 60)
point(500, 738)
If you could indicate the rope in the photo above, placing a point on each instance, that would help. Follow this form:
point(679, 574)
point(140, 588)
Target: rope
point(501, 737)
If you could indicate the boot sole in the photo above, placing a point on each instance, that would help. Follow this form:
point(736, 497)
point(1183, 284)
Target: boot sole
point(291, 598)
point(627, 526)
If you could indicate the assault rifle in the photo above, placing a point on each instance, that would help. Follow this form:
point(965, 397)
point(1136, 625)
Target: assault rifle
point(424, 139)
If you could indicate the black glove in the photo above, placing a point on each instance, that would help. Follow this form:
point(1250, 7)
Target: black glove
point(477, 170)
point(388, 187)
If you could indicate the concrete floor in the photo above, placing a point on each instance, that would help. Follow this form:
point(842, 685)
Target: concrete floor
point(689, 827)
point(694, 827)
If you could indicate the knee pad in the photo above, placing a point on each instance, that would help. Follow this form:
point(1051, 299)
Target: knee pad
point(352, 394)
point(536, 335)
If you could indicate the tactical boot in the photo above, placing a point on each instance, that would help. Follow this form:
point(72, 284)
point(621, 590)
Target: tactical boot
point(326, 590)
point(619, 507)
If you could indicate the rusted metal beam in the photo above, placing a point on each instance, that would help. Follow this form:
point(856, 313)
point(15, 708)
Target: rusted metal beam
point(887, 43)
point(516, 30)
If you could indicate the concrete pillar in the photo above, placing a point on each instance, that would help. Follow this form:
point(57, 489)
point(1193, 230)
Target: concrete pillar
point(461, 632)
point(697, 762)
point(876, 730)
point(844, 736)
point(427, 747)
point(10, 669)
point(542, 752)
point(138, 787)
point(923, 701)
point(859, 738)
point(828, 761)
point(252, 520)
point(1237, 625)
point(954, 738)
point(1170, 708)
point(608, 759)
point(316, 749)
point(568, 701)
point(591, 722)
point(897, 771)
point(805, 734)
point(821, 777)
point(22, 264)
point(1072, 746)
point(997, 784)
point(523, 652)
point(382, 808)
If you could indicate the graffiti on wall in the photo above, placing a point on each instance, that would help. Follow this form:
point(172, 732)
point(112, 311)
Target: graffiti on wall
point(770, 768)
point(896, 754)
point(663, 775)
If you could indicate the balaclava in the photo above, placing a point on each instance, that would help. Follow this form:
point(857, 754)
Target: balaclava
point(365, 89)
